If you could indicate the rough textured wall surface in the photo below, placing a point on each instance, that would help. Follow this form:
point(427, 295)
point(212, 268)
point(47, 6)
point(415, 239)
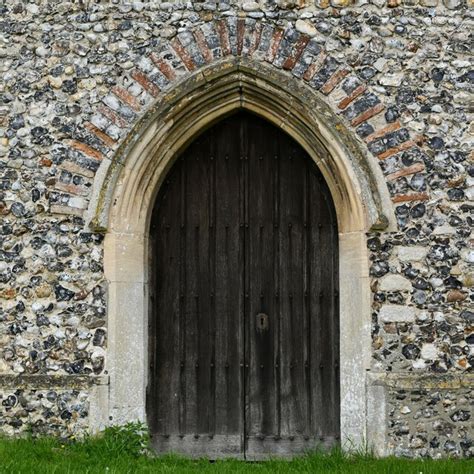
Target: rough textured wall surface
point(75, 79)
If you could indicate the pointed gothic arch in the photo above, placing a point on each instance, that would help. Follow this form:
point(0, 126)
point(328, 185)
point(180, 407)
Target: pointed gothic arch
point(126, 190)
point(353, 175)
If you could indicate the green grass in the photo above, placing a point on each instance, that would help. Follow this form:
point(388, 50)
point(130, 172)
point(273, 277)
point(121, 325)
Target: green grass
point(121, 450)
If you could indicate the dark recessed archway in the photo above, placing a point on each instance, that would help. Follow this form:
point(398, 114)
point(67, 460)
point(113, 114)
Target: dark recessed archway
point(244, 326)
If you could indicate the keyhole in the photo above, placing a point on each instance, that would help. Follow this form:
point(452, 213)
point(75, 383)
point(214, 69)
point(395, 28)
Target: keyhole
point(262, 322)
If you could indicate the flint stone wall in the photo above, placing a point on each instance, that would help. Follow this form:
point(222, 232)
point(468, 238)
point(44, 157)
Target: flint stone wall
point(76, 77)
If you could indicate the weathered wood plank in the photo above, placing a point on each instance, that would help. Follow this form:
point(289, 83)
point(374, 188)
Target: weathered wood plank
point(261, 416)
point(229, 283)
point(209, 446)
point(166, 357)
point(285, 447)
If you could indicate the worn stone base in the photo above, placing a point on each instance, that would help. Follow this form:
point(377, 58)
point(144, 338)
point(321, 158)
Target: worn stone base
point(53, 405)
point(416, 415)
point(409, 415)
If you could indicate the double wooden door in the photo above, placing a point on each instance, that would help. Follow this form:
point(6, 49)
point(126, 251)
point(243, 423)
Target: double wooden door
point(244, 298)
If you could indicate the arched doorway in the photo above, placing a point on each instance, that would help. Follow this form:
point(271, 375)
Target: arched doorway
point(123, 204)
point(244, 312)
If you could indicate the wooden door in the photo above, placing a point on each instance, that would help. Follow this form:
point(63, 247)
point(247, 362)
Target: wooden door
point(244, 337)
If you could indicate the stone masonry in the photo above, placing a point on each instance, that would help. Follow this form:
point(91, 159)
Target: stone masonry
point(77, 77)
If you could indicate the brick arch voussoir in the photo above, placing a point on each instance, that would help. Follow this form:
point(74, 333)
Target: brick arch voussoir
point(350, 97)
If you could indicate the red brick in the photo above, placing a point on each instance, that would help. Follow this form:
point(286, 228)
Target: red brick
point(391, 127)
point(72, 189)
point(397, 149)
point(274, 44)
point(126, 97)
point(334, 80)
point(367, 114)
point(183, 54)
point(224, 37)
point(102, 136)
point(240, 35)
point(164, 67)
point(257, 34)
point(202, 44)
point(145, 82)
point(113, 116)
point(315, 66)
point(416, 168)
point(298, 49)
point(76, 169)
point(86, 149)
point(410, 197)
point(352, 96)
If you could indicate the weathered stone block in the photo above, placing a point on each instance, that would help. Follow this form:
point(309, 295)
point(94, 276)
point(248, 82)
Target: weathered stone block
point(429, 351)
point(306, 28)
point(412, 254)
point(452, 4)
point(394, 283)
point(396, 314)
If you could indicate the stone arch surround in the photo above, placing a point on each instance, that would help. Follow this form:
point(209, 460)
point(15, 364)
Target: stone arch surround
point(133, 188)
point(221, 88)
point(197, 78)
point(95, 144)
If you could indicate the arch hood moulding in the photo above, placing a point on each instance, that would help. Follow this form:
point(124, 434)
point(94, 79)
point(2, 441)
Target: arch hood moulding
point(220, 89)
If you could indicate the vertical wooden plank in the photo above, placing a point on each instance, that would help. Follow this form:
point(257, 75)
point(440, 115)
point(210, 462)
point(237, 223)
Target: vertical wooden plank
point(306, 315)
point(286, 327)
point(201, 221)
point(229, 280)
point(293, 396)
point(316, 275)
point(166, 347)
point(328, 316)
point(240, 147)
point(197, 363)
point(212, 281)
point(182, 297)
point(243, 148)
point(261, 420)
point(324, 310)
point(277, 287)
point(151, 402)
point(191, 296)
point(298, 277)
